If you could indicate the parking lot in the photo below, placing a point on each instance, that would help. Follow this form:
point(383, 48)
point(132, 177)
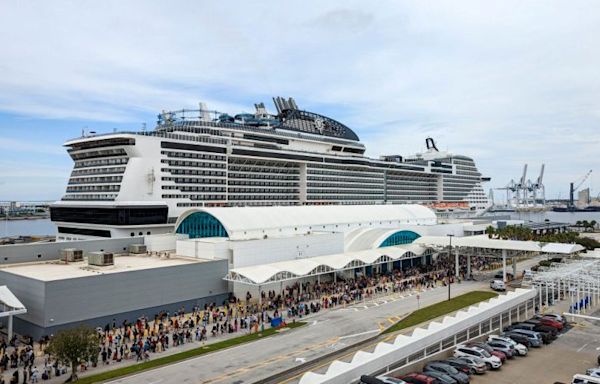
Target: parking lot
point(573, 352)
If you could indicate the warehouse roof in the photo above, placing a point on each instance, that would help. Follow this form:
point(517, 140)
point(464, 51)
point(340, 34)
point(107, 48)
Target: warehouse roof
point(294, 269)
point(59, 270)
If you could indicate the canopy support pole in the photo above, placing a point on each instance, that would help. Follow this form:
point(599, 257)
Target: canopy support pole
point(504, 265)
point(10, 327)
point(457, 262)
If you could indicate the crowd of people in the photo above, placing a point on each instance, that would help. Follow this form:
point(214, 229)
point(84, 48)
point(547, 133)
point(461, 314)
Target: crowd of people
point(141, 339)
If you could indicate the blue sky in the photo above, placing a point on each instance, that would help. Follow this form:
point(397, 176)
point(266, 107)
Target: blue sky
point(504, 82)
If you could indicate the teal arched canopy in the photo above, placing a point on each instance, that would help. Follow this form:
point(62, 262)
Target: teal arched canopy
point(202, 224)
point(400, 237)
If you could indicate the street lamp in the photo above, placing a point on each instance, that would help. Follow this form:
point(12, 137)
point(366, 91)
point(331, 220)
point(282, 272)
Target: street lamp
point(449, 258)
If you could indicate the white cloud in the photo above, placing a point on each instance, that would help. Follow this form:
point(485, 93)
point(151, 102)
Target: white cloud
point(506, 82)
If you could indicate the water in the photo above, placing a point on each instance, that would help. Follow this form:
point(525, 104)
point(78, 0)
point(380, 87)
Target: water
point(39, 227)
point(42, 227)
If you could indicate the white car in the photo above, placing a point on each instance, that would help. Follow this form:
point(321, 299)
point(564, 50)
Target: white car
point(520, 348)
point(498, 285)
point(478, 353)
point(594, 372)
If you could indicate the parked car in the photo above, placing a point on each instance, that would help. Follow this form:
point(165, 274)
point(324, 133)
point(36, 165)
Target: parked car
point(546, 336)
point(460, 377)
point(489, 350)
point(585, 379)
point(461, 366)
point(553, 326)
point(520, 348)
point(517, 338)
point(504, 347)
point(535, 339)
point(477, 366)
point(550, 321)
point(440, 377)
point(418, 378)
point(594, 372)
point(492, 361)
point(554, 316)
point(498, 285)
point(366, 379)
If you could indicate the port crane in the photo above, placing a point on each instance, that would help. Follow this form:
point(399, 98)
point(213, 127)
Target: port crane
point(536, 186)
point(524, 192)
point(573, 188)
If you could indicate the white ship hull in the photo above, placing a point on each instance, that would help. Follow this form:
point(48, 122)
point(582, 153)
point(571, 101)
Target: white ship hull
point(131, 184)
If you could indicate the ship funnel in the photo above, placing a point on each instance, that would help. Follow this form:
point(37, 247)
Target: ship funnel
point(204, 113)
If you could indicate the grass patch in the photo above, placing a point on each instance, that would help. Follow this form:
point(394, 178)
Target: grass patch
point(160, 361)
point(440, 309)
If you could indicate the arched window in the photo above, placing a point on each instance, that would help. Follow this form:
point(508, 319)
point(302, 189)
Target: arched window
point(400, 237)
point(202, 224)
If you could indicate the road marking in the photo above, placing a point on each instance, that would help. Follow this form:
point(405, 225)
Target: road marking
point(359, 334)
point(300, 360)
point(582, 348)
point(377, 305)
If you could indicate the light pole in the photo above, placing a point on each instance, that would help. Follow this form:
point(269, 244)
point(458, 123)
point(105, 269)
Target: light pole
point(449, 258)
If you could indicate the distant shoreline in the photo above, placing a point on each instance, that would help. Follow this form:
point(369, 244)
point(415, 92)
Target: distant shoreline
point(10, 218)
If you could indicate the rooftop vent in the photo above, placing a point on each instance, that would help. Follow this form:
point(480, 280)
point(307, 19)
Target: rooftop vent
point(137, 249)
point(101, 259)
point(71, 254)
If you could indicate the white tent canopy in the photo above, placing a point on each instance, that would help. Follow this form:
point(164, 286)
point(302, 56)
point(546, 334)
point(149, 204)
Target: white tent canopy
point(10, 306)
point(294, 269)
point(485, 242)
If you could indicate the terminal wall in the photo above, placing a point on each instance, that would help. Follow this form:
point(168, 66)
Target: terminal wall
point(272, 250)
point(31, 292)
point(20, 253)
point(96, 300)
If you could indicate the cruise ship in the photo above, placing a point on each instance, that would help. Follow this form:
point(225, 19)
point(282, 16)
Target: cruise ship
point(138, 183)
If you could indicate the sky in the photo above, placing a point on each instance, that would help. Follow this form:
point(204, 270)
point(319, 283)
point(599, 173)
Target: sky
point(505, 82)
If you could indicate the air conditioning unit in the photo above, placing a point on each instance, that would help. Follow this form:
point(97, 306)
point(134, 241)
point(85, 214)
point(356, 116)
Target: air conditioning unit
point(71, 254)
point(101, 259)
point(137, 248)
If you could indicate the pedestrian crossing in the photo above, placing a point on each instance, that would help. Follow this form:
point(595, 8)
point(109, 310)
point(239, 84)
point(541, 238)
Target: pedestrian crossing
point(372, 303)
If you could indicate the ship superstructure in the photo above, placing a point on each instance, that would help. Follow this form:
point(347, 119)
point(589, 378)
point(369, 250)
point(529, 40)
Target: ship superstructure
point(138, 183)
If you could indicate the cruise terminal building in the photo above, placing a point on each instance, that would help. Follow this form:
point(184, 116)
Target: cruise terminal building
point(214, 252)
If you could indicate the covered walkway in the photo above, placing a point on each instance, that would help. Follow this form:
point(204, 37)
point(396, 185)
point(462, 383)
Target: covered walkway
point(484, 246)
point(330, 264)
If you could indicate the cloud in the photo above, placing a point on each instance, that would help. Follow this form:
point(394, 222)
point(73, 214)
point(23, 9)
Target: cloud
point(507, 82)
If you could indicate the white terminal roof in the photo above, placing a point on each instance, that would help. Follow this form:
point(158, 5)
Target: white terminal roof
point(238, 220)
point(10, 301)
point(483, 241)
point(58, 270)
point(293, 269)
